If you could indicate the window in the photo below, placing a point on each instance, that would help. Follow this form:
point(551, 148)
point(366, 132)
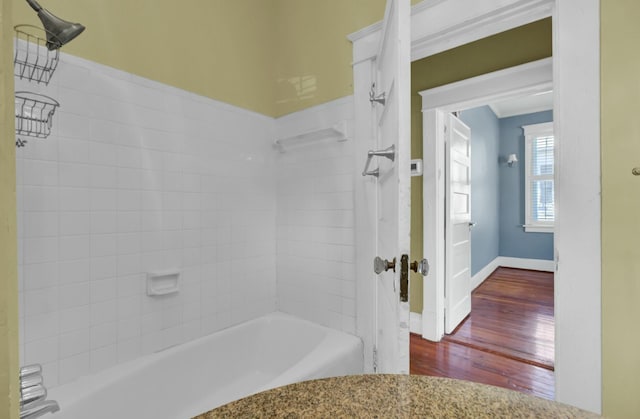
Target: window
point(539, 173)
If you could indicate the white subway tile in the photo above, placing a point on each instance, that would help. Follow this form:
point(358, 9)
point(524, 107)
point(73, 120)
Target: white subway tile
point(103, 154)
point(40, 224)
point(37, 198)
point(41, 301)
point(75, 342)
point(129, 349)
point(129, 200)
point(74, 271)
point(41, 327)
point(74, 295)
point(129, 221)
point(103, 245)
point(40, 173)
point(40, 275)
point(103, 177)
point(103, 335)
point(41, 351)
point(103, 290)
point(103, 267)
point(74, 199)
point(41, 249)
point(104, 131)
point(74, 367)
point(75, 223)
point(104, 222)
point(74, 150)
point(74, 247)
point(103, 358)
point(104, 312)
point(74, 174)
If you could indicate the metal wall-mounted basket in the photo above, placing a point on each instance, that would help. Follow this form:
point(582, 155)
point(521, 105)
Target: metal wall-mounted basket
point(33, 60)
point(34, 114)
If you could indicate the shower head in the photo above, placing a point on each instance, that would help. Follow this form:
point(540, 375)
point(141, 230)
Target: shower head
point(59, 31)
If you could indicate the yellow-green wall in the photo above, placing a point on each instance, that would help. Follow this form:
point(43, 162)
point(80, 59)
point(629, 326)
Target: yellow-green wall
point(9, 399)
point(222, 49)
point(313, 52)
point(620, 140)
point(517, 46)
point(270, 56)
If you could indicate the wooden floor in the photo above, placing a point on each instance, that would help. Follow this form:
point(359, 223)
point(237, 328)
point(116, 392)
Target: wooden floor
point(507, 341)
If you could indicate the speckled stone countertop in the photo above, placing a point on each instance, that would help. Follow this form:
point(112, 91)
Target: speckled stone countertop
point(393, 396)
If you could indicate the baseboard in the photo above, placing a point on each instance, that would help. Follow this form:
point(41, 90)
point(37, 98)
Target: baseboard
point(532, 264)
point(415, 323)
point(484, 273)
point(509, 262)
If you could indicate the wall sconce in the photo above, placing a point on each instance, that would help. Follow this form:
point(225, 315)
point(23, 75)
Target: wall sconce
point(511, 160)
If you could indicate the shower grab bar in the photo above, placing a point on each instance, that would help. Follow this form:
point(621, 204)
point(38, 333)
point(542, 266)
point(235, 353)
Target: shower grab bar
point(389, 152)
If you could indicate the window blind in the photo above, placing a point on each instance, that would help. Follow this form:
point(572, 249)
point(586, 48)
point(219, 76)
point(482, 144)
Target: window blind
point(541, 178)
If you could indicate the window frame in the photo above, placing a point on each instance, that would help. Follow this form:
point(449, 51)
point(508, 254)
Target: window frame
point(531, 132)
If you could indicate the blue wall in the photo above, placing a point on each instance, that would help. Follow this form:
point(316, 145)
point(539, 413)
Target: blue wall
point(514, 242)
point(485, 197)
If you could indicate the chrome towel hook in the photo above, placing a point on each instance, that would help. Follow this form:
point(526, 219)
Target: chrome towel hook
point(389, 152)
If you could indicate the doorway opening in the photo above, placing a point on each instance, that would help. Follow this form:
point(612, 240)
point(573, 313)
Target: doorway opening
point(503, 332)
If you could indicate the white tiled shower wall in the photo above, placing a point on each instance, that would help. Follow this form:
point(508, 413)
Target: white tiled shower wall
point(138, 176)
point(315, 220)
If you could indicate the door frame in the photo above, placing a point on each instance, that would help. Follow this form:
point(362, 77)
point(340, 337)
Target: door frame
point(525, 79)
point(440, 25)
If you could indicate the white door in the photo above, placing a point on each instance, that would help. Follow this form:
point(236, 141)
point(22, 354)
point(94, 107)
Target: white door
point(457, 222)
point(393, 67)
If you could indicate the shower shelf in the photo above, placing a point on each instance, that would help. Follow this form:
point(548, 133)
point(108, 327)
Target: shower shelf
point(336, 132)
point(34, 114)
point(32, 60)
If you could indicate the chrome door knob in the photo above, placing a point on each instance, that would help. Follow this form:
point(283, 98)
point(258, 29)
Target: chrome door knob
point(421, 267)
point(381, 265)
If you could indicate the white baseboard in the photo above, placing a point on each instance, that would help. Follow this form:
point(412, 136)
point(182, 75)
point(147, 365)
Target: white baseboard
point(415, 323)
point(484, 273)
point(532, 264)
point(508, 262)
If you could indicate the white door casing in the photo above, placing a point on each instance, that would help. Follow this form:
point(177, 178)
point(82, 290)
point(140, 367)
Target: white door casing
point(392, 75)
point(457, 222)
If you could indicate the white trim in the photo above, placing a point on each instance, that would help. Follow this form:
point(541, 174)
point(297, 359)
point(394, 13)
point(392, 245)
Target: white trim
point(415, 323)
point(537, 228)
point(522, 263)
point(484, 273)
point(531, 133)
point(469, 22)
point(529, 78)
point(509, 262)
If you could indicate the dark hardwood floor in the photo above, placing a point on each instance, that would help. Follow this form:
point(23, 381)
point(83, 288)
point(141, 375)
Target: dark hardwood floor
point(507, 340)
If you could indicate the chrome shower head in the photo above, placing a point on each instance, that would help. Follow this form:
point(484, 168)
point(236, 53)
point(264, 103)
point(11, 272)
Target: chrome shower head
point(59, 31)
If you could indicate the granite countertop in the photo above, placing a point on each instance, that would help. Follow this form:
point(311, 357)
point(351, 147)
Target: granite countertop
point(393, 396)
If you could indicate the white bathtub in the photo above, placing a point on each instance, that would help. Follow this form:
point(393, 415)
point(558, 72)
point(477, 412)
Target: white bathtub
point(193, 378)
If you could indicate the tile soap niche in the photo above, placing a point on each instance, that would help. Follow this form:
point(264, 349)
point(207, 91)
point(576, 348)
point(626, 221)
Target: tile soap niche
point(163, 283)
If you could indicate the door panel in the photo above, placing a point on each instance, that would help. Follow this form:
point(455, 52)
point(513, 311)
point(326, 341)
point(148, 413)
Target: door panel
point(458, 217)
point(392, 77)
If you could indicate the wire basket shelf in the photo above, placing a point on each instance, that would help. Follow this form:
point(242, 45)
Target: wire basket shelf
point(33, 60)
point(34, 114)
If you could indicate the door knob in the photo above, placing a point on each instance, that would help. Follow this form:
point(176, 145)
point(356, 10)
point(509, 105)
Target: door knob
point(472, 224)
point(381, 265)
point(421, 267)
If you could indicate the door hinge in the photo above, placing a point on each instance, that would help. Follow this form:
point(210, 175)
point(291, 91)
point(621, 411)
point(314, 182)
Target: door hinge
point(375, 359)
